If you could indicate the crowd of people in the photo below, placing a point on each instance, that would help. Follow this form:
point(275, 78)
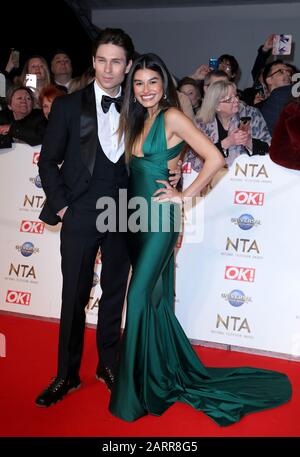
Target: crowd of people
point(262, 102)
point(82, 159)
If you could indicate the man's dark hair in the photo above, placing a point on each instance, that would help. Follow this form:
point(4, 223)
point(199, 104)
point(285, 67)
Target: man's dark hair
point(117, 37)
point(268, 69)
point(187, 80)
point(60, 51)
point(235, 68)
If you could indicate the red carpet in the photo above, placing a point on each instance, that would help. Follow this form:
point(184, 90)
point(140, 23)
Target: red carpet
point(30, 362)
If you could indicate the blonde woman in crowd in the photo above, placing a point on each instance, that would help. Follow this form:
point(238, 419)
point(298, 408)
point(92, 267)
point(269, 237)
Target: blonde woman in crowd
point(35, 65)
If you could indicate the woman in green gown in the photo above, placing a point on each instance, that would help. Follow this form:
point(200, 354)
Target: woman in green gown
point(157, 365)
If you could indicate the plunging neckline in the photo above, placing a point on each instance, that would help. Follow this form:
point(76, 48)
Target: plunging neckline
point(147, 136)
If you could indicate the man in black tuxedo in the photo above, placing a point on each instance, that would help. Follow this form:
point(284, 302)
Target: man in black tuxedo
point(80, 161)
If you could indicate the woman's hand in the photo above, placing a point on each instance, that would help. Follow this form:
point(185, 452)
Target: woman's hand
point(167, 194)
point(236, 137)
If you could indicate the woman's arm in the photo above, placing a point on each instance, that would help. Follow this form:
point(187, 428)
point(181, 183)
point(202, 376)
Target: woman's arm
point(179, 127)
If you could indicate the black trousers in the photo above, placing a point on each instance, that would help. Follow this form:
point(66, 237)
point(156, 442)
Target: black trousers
point(80, 242)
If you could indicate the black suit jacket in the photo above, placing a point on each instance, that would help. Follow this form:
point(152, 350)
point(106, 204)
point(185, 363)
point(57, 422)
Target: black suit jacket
point(71, 140)
point(274, 104)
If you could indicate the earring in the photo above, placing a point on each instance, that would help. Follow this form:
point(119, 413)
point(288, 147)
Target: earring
point(134, 100)
point(165, 97)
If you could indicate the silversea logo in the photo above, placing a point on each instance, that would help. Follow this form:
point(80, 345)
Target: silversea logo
point(236, 298)
point(245, 221)
point(27, 249)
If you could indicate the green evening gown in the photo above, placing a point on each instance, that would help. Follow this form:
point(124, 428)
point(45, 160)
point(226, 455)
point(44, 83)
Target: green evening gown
point(158, 365)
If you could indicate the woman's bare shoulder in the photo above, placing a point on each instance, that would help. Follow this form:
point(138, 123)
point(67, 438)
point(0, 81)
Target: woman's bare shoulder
point(174, 115)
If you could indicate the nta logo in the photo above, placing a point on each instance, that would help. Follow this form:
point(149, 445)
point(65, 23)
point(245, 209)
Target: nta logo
point(34, 201)
point(252, 170)
point(22, 271)
point(233, 323)
point(242, 245)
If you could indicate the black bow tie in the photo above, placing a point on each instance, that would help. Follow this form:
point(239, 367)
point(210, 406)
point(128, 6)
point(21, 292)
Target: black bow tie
point(106, 101)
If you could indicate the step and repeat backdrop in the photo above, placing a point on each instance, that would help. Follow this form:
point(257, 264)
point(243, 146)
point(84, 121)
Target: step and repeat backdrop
point(237, 261)
point(238, 268)
point(30, 250)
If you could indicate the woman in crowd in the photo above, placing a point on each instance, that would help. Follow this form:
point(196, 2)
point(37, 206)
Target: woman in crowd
point(158, 366)
point(20, 123)
point(235, 128)
point(191, 88)
point(47, 97)
point(37, 66)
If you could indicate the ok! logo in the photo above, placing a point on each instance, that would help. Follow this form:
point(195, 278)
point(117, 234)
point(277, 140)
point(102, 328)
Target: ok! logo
point(240, 273)
point(242, 197)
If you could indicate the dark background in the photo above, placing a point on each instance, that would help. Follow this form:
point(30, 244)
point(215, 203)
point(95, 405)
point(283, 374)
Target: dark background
point(42, 28)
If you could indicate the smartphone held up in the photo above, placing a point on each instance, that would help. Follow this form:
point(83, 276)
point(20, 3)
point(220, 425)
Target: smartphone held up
point(282, 45)
point(244, 122)
point(259, 89)
point(15, 57)
point(213, 63)
point(30, 81)
point(2, 86)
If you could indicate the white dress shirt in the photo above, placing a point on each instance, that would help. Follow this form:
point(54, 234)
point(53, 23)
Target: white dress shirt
point(108, 124)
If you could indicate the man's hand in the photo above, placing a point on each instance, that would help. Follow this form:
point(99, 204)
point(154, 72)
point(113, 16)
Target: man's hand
point(268, 44)
point(61, 212)
point(175, 175)
point(200, 72)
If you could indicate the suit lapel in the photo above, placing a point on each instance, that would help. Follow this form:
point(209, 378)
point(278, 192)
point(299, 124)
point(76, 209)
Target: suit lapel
point(88, 127)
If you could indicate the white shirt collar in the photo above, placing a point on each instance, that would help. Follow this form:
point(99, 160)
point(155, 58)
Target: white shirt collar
point(108, 124)
point(99, 92)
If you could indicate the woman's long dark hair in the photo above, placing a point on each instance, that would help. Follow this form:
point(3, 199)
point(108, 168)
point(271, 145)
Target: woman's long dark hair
point(133, 113)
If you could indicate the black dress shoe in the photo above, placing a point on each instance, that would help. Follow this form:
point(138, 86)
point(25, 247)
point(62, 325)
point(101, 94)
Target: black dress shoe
point(105, 374)
point(56, 391)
